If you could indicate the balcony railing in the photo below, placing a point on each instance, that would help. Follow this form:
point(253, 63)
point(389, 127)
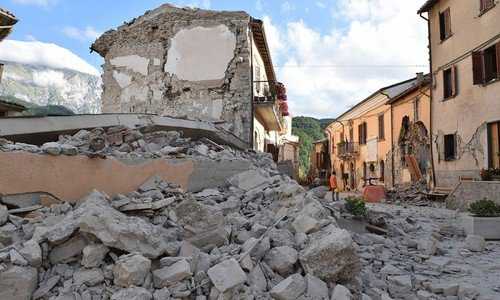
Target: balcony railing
point(347, 150)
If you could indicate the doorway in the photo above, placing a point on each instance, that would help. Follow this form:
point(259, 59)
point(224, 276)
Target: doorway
point(352, 172)
point(494, 145)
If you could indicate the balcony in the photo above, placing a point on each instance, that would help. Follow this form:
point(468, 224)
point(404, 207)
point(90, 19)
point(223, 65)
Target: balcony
point(347, 150)
point(267, 110)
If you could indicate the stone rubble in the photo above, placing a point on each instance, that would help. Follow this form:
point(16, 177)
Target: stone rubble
point(259, 236)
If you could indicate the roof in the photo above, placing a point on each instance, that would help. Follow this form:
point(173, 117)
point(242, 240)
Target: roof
point(388, 91)
point(427, 6)
point(402, 90)
point(7, 21)
point(259, 37)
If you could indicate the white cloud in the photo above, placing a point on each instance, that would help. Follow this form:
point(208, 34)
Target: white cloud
point(43, 3)
point(320, 4)
point(287, 7)
point(344, 65)
point(87, 34)
point(44, 54)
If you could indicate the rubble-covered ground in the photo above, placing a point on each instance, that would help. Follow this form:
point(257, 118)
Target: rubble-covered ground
point(258, 236)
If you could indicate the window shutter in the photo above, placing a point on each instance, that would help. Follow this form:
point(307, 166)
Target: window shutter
point(478, 67)
point(447, 20)
point(482, 5)
point(360, 133)
point(498, 60)
point(440, 146)
point(454, 81)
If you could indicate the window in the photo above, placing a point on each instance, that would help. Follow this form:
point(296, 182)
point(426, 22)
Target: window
point(486, 4)
point(362, 133)
point(351, 134)
point(486, 64)
point(445, 24)
point(450, 147)
point(382, 170)
point(381, 127)
point(450, 82)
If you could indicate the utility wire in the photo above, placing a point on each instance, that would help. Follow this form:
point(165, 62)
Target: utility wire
point(350, 66)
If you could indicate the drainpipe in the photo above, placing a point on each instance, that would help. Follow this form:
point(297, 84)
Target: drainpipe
point(251, 94)
point(431, 99)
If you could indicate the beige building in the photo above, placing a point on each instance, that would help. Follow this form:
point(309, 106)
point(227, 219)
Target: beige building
point(465, 65)
point(199, 64)
point(364, 141)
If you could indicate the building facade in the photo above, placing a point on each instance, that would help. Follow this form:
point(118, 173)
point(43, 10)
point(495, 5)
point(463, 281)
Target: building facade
point(199, 64)
point(464, 41)
point(367, 143)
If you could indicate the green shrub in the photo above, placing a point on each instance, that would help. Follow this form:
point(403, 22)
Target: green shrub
point(485, 208)
point(356, 206)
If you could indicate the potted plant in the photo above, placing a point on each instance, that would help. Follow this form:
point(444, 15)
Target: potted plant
point(490, 174)
point(484, 219)
point(356, 206)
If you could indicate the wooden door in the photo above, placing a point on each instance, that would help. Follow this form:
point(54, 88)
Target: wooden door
point(494, 145)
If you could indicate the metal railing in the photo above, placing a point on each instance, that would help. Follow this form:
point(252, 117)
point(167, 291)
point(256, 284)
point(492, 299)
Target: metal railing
point(347, 149)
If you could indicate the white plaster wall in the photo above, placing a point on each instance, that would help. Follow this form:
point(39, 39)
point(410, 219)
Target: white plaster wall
point(134, 63)
point(201, 53)
point(261, 134)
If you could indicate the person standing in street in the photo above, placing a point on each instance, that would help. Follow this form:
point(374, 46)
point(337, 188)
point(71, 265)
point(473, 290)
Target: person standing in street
point(334, 187)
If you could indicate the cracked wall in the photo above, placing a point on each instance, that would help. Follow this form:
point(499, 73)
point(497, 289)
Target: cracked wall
point(181, 62)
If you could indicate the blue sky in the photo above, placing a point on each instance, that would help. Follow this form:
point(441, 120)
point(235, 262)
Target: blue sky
point(330, 53)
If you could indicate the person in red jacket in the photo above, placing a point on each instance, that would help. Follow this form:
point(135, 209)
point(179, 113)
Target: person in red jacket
point(334, 187)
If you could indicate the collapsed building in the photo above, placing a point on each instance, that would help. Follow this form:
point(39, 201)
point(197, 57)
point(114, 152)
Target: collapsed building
point(198, 64)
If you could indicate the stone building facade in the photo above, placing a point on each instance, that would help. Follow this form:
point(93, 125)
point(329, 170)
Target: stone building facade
point(465, 65)
point(192, 63)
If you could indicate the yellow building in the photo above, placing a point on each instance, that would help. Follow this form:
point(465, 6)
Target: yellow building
point(465, 66)
point(364, 141)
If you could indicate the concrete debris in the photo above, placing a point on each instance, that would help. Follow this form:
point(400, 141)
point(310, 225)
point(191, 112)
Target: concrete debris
point(331, 255)
point(289, 289)
point(227, 275)
point(475, 243)
point(131, 270)
point(18, 283)
point(257, 236)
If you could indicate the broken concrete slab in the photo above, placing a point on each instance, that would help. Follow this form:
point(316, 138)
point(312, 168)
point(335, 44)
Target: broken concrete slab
point(133, 293)
point(282, 259)
point(18, 283)
point(93, 255)
point(475, 243)
point(330, 255)
point(289, 289)
point(68, 250)
point(249, 180)
point(340, 292)
point(131, 270)
point(227, 275)
point(170, 275)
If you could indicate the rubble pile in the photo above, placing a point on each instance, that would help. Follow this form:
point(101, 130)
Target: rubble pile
point(413, 194)
point(127, 143)
point(425, 256)
point(259, 236)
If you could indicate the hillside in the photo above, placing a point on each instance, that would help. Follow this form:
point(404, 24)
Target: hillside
point(42, 86)
point(309, 130)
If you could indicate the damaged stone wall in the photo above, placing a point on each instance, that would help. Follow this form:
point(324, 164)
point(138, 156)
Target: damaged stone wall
point(413, 140)
point(181, 62)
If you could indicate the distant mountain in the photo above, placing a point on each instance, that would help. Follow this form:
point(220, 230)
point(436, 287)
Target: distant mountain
point(45, 86)
point(309, 130)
